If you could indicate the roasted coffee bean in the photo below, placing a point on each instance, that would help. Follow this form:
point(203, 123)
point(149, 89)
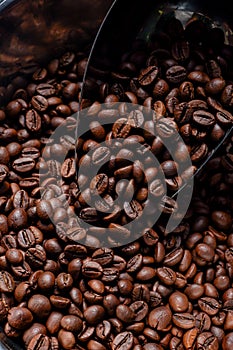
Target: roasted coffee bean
point(140, 309)
point(178, 302)
point(180, 50)
point(176, 74)
point(23, 164)
point(39, 341)
point(148, 75)
point(121, 128)
point(160, 318)
point(184, 320)
point(209, 305)
point(215, 86)
point(39, 103)
point(208, 341)
point(7, 284)
point(224, 118)
point(33, 121)
point(123, 341)
point(94, 314)
point(19, 317)
point(161, 89)
point(125, 313)
point(203, 118)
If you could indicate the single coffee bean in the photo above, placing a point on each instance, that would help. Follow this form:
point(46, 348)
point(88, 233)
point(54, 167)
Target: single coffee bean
point(208, 341)
point(148, 75)
point(71, 323)
point(66, 339)
point(39, 341)
point(160, 318)
point(39, 305)
point(33, 121)
point(121, 128)
point(7, 284)
point(23, 165)
point(140, 309)
point(94, 314)
point(178, 302)
point(19, 317)
point(209, 305)
point(203, 118)
point(125, 313)
point(123, 341)
point(176, 74)
point(184, 320)
point(39, 103)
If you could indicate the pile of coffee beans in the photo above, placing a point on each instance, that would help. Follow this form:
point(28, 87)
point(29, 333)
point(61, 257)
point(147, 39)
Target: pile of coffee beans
point(161, 291)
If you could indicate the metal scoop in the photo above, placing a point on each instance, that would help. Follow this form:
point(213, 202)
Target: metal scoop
point(128, 28)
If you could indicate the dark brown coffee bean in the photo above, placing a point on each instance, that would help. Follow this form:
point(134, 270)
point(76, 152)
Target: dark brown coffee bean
point(59, 302)
point(71, 323)
point(224, 118)
point(123, 341)
point(184, 320)
point(180, 50)
point(23, 164)
point(101, 155)
point(176, 74)
point(121, 128)
point(227, 341)
point(166, 275)
point(203, 322)
point(66, 339)
point(209, 305)
point(148, 75)
point(140, 309)
point(92, 269)
point(198, 77)
point(36, 328)
point(178, 302)
point(125, 313)
point(198, 152)
point(161, 89)
point(136, 118)
point(46, 90)
point(133, 209)
point(19, 317)
point(7, 284)
point(14, 256)
point(3, 172)
point(94, 314)
point(166, 127)
point(39, 103)
point(68, 169)
point(39, 305)
point(99, 184)
point(160, 318)
point(17, 219)
point(39, 341)
point(203, 118)
point(215, 86)
point(208, 341)
point(33, 121)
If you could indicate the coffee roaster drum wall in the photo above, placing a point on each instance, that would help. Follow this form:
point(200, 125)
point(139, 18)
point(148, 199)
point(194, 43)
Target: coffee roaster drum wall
point(33, 31)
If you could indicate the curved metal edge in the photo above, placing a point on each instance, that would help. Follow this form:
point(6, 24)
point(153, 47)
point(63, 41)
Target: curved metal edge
point(5, 3)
